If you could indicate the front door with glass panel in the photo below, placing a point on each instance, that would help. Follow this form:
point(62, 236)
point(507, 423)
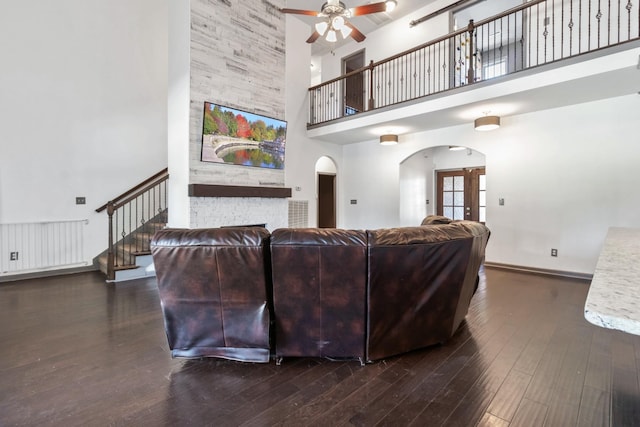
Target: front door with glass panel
point(462, 194)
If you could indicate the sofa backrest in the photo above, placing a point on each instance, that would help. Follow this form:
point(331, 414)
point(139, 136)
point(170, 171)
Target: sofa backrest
point(420, 284)
point(213, 289)
point(319, 292)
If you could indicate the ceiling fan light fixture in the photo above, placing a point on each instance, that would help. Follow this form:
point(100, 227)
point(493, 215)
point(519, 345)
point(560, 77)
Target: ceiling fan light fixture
point(345, 31)
point(321, 27)
point(334, 16)
point(391, 4)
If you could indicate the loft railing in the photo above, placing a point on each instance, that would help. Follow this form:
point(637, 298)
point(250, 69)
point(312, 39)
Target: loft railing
point(133, 218)
point(533, 34)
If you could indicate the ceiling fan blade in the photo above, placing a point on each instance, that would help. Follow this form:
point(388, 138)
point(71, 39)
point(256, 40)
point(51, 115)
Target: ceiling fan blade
point(355, 33)
point(313, 37)
point(369, 8)
point(300, 12)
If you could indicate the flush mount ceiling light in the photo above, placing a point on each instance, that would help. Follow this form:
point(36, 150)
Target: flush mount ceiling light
point(487, 123)
point(335, 16)
point(388, 139)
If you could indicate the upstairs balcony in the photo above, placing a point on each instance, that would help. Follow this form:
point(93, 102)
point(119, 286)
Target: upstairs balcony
point(530, 39)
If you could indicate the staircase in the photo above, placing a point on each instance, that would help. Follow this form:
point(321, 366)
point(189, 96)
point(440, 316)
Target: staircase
point(132, 257)
point(134, 217)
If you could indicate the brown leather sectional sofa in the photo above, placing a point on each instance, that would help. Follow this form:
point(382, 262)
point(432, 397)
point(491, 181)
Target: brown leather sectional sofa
point(342, 294)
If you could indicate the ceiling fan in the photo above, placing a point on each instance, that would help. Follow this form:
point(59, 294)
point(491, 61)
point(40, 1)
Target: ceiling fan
point(335, 19)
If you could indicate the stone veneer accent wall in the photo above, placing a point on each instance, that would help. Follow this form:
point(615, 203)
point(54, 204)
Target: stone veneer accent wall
point(220, 211)
point(237, 60)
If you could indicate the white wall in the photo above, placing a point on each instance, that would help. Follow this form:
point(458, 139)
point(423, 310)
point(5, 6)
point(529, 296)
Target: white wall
point(178, 95)
point(566, 176)
point(83, 87)
point(416, 187)
point(302, 152)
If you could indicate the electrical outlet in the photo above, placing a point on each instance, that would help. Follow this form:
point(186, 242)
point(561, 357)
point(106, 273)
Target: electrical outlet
point(13, 256)
point(554, 252)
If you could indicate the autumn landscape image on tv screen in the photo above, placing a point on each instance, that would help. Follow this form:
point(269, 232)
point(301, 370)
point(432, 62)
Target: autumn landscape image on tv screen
point(241, 138)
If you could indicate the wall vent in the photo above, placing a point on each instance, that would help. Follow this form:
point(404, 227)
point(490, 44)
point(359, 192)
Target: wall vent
point(298, 213)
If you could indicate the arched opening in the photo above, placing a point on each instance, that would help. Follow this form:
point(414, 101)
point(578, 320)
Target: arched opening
point(326, 176)
point(419, 189)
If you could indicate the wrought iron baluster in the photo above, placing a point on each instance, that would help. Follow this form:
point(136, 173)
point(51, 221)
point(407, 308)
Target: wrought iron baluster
point(579, 26)
point(589, 28)
point(537, 32)
point(570, 25)
point(609, 22)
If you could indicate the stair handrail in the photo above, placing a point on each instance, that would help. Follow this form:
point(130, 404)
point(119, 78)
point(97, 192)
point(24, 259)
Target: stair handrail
point(163, 174)
point(150, 184)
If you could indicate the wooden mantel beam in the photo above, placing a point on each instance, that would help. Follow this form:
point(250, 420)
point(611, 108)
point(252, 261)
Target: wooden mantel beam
point(208, 190)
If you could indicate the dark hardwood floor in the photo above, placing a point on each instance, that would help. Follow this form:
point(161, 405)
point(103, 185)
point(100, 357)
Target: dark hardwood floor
point(78, 352)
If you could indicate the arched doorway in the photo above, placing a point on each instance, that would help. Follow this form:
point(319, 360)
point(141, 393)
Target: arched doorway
point(326, 175)
point(419, 193)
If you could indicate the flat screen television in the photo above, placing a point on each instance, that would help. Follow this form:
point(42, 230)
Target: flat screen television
point(238, 137)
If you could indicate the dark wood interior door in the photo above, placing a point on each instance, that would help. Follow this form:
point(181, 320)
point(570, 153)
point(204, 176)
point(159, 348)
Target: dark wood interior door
point(353, 85)
point(354, 96)
point(326, 201)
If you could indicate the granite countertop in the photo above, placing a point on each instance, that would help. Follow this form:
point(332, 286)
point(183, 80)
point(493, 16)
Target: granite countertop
point(613, 300)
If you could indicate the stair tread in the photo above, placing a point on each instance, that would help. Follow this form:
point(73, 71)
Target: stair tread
point(135, 244)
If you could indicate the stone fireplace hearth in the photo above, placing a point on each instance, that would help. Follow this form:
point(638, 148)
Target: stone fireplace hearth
point(221, 205)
